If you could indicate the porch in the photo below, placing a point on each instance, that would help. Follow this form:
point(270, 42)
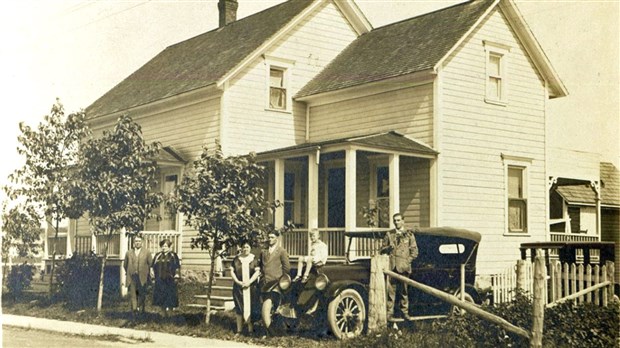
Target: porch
point(330, 186)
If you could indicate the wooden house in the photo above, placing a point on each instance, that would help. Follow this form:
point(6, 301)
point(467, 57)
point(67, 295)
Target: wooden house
point(441, 117)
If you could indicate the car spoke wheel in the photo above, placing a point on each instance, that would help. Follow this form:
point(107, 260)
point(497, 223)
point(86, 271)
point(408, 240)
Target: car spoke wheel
point(346, 314)
point(468, 298)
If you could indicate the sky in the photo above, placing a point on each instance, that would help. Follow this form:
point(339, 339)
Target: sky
point(78, 50)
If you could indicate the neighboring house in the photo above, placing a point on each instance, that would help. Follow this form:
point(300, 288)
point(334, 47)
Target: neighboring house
point(585, 204)
point(441, 117)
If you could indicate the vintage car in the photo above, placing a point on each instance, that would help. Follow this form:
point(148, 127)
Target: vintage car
point(338, 295)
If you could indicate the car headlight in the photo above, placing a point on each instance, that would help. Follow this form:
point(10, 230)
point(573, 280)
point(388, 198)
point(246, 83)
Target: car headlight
point(321, 282)
point(284, 282)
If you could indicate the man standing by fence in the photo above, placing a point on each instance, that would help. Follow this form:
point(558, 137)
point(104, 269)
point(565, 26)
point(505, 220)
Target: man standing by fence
point(401, 246)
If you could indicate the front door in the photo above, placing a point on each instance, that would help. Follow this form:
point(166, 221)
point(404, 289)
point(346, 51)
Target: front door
point(335, 197)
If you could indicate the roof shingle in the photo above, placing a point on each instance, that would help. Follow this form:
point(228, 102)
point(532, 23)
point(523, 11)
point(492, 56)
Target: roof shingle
point(400, 48)
point(197, 62)
point(583, 194)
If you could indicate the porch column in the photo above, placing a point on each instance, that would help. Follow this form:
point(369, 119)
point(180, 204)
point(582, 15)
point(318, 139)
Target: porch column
point(394, 186)
point(279, 193)
point(122, 250)
point(313, 190)
point(350, 190)
point(596, 186)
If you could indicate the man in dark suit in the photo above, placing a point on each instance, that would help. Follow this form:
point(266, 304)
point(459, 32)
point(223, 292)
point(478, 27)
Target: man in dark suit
point(401, 246)
point(137, 265)
point(274, 263)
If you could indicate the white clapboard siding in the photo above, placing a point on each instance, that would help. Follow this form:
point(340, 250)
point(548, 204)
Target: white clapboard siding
point(311, 45)
point(475, 134)
point(408, 111)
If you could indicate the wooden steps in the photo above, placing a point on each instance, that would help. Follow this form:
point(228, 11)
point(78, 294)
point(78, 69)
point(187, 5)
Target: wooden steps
point(221, 296)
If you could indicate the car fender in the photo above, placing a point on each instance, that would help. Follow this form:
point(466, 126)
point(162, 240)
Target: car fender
point(337, 287)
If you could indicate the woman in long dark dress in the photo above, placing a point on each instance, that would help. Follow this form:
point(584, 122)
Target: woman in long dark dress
point(245, 271)
point(166, 267)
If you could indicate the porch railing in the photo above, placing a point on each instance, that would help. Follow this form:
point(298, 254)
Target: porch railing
point(114, 246)
point(83, 244)
point(297, 242)
point(151, 240)
point(573, 237)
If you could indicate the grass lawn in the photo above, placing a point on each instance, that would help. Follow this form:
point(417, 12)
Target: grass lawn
point(190, 322)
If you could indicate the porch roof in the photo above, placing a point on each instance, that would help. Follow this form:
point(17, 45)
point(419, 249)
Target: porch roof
point(170, 156)
point(583, 194)
point(389, 142)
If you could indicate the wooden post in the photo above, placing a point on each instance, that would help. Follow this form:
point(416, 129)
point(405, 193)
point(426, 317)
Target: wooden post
point(538, 310)
point(377, 314)
point(521, 275)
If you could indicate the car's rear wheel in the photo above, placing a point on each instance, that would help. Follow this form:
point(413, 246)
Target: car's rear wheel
point(346, 314)
point(468, 298)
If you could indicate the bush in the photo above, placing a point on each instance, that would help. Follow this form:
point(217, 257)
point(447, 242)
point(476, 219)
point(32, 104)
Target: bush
point(566, 325)
point(78, 280)
point(19, 279)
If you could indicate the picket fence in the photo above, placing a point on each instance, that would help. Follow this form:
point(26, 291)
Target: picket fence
point(578, 282)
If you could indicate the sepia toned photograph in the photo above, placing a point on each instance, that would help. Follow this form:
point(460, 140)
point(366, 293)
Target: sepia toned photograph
point(310, 173)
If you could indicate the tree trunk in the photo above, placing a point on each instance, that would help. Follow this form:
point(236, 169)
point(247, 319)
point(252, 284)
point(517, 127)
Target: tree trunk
point(51, 292)
point(538, 305)
point(210, 283)
point(377, 315)
point(102, 272)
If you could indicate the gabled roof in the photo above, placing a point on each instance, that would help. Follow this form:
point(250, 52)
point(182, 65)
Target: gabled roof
point(405, 47)
point(583, 194)
point(388, 141)
point(418, 44)
point(197, 62)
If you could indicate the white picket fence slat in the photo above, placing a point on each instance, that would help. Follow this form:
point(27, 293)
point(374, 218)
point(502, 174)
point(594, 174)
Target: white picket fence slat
point(563, 280)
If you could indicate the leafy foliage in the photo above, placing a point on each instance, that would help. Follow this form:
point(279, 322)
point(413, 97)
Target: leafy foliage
point(117, 173)
point(566, 325)
point(222, 198)
point(51, 150)
point(19, 279)
point(78, 278)
point(22, 225)
point(47, 181)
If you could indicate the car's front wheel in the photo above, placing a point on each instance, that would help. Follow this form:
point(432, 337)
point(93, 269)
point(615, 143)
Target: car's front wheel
point(468, 298)
point(346, 314)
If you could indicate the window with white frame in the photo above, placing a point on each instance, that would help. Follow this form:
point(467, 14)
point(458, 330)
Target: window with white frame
point(516, 171)
point(278, 83)
point(496, 73)
point(380, 191)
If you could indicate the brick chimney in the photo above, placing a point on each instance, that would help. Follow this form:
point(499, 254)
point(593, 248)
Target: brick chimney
point(228, 11)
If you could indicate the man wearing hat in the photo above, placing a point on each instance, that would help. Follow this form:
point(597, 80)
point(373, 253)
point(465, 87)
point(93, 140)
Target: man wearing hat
point(137, 265)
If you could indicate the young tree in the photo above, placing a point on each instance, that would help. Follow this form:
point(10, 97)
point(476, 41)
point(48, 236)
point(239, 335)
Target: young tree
point(46, 182)
point(223, 200)
point(117, 174)
point(21, 227)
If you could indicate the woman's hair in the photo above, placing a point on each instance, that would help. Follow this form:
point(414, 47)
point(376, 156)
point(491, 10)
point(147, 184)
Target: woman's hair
point(165, 241)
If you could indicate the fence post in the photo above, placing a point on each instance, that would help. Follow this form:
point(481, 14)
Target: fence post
point(538, 310)
point(377, 315)
point(521, 275)
point(610, 276)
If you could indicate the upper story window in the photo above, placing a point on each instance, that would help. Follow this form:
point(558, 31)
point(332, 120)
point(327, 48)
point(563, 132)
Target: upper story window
point(277, 89)
point(496, 73)
point(278, 84)
point(516, 170)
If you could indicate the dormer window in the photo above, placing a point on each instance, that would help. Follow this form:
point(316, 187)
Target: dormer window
point(496, 73)
point(277, 89)
point(278, 84)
